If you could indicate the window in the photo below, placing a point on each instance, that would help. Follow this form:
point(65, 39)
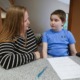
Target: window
point(66, 23)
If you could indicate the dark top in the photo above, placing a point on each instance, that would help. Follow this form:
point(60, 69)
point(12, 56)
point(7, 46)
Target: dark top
point(13, 54)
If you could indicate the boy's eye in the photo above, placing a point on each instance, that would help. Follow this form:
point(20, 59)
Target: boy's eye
point(56, 20)
point(51, 19)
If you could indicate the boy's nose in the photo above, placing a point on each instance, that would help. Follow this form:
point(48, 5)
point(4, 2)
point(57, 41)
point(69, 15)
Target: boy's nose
point(53, 22)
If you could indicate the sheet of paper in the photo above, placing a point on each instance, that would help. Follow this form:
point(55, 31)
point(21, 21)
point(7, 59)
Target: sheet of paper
point(65, 67)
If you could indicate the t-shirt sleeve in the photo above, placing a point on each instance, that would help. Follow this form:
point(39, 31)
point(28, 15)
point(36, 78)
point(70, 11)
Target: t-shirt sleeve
point(44, 37)
point(71, 38)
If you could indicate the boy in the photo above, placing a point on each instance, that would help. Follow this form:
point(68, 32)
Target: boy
point(56, 41)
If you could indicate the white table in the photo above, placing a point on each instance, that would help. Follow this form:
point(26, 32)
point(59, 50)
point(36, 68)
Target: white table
point(31, 70)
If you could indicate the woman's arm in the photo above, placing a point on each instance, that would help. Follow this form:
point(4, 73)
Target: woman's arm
point(10, 58)
point(44, 50)
point(72, 49)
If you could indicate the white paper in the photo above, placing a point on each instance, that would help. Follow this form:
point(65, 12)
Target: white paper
point(65, 67)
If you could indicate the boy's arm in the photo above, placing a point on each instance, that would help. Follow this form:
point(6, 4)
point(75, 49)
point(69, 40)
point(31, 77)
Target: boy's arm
point(44, 50)
point(72, 49)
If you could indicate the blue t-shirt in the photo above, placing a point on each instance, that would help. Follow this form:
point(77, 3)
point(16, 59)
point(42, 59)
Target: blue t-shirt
point(58, 42)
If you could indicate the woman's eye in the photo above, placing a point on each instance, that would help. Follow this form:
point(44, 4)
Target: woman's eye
point(25, 20)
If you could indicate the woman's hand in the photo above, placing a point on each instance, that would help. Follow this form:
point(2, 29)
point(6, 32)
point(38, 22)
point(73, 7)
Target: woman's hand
point(37, 54)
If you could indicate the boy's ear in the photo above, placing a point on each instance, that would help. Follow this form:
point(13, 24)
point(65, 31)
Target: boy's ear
point(62, 24)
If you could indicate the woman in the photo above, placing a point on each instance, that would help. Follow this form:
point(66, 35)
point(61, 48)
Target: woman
point(17, 41)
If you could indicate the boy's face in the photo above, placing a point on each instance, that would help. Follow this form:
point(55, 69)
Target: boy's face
point(56, 23)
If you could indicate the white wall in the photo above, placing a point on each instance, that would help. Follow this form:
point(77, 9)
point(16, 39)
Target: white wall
point(39, 12)
point(5, 4)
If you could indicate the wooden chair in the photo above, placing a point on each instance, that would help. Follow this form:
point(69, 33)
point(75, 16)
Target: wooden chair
point(0, 20)
point(78, 54)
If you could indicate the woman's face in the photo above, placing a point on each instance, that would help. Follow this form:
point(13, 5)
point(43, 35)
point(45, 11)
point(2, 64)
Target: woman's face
point(26, 21)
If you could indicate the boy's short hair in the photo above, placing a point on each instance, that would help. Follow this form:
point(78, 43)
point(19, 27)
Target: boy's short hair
point(61, 14)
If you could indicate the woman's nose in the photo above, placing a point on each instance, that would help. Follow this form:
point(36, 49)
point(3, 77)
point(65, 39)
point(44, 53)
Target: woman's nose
point(28, 22)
